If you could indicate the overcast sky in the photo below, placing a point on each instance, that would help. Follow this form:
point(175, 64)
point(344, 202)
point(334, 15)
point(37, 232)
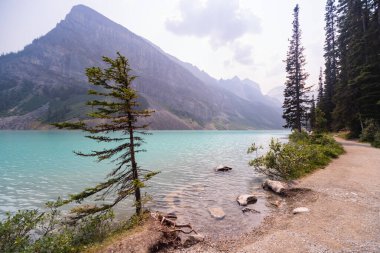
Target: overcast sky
point(247, 38)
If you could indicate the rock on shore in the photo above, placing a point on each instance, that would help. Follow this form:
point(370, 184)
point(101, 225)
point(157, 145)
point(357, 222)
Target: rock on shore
point(301, 210)
point(246, 199)
point(275, 186)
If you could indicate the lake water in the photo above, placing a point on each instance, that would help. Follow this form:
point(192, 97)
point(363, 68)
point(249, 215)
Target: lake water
point(37, 166)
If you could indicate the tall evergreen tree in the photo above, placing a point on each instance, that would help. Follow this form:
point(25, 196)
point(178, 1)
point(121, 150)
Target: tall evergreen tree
point(357, 94)
point(295, 102)
point(331, 65)
point(118, 113)
point(312, 113)
point(346, 112)
point(369, 78)
point(320, 90)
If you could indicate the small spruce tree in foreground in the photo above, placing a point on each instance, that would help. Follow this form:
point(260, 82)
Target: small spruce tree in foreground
point(118, 111)
point(295, 93)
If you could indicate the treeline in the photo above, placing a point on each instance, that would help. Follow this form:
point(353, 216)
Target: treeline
point(350, 97)
point(349, 87)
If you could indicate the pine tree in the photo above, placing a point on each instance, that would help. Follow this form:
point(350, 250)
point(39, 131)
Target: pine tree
point(351, 54)
point(320, 121)
point(357, 94)
point(118, 113)
point(331, 65)
point(369, 78)
point(295, 102)
point(320, 90)
point(312, 113)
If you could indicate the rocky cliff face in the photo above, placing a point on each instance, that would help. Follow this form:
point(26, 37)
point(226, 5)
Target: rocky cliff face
point(49, 73)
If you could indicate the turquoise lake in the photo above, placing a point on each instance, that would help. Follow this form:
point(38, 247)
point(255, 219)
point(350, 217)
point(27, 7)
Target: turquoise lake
point(37, 166)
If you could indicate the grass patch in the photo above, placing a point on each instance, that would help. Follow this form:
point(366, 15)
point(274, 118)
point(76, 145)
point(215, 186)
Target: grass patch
point(31, 231)
point(303, 154)
point(132, 226)
point(343, 134)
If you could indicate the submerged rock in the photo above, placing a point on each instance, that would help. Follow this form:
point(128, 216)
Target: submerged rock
point(223, 168)
point(192, 240)
point(276, 203)
point(197, 187)
point(217, 212)
point(276, 186)
point(246, 209)
point(246, 199)
point(173, 199)
point(301, 210)
point(171, 215)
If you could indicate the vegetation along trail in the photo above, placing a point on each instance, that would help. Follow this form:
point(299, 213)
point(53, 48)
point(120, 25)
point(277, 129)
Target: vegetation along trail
point(344, 212)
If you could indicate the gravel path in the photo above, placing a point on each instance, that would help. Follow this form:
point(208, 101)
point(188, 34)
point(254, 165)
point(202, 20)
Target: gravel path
point(344, 211)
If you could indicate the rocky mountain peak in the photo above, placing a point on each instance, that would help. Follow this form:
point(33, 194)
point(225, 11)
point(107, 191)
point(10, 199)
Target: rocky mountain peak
point(83, 18)
point(50, 73)
point(81, 13)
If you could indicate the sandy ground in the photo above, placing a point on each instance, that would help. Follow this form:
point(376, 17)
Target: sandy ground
point(344, 216)
point(344, 204)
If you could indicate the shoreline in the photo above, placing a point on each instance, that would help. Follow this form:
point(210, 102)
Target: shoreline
point(344, 204)
point(343, 201)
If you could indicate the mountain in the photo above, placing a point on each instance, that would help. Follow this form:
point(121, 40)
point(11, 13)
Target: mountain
point(45, 82)
point(245, 89)
point(277, 93)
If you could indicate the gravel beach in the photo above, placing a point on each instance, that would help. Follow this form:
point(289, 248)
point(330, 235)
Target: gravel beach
point(344, 211)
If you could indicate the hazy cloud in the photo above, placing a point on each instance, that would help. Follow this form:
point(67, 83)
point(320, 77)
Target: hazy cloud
point(243, 54)
point(223, 21)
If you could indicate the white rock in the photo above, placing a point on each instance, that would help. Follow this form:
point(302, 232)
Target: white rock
point(276, 186)
point(301, 210)
point(246, 199)
point(217, 212)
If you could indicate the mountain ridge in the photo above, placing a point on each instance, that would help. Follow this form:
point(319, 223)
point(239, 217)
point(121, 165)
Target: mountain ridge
point(50, 72)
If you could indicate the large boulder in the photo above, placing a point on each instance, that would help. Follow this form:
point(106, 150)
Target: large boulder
point(246, 199)
point(275, 186)
point(217, 212)
point(223, 168)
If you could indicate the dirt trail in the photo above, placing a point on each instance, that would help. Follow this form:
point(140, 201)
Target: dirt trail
point(344, 211)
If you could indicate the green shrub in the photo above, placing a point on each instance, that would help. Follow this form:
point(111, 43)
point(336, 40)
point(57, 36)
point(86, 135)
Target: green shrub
point(53, 234)
point(344, 134)
point(301, 155)
point(299, 136)
point(93, 228)
point(15, 231)
point(376, 140)
point(369, 131)
point(61, 241)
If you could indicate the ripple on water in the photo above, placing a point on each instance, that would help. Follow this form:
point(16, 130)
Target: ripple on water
point(8, 208)
point(187, 184)
point(8, 179)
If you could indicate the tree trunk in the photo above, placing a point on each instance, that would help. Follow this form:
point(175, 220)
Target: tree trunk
point(134, 166)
